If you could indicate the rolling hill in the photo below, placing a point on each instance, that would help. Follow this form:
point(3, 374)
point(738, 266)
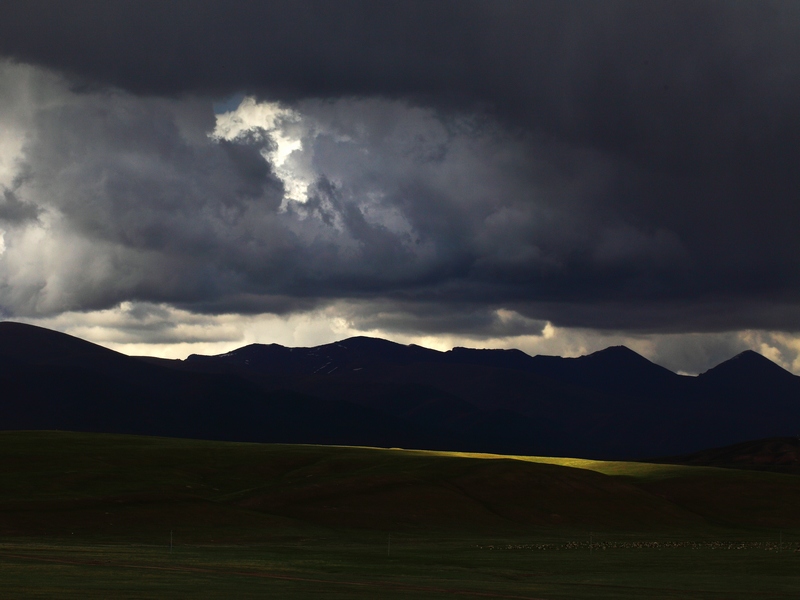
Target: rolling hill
point(95, 516)
point(60, 482)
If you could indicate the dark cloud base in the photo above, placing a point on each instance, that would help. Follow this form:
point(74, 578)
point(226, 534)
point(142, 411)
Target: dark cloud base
point(616, 165)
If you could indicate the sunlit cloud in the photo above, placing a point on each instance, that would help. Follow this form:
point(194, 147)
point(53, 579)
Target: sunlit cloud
point(283, 127)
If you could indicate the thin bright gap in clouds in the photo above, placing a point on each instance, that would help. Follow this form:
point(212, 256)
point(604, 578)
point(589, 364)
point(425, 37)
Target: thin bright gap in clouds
point(163, 331)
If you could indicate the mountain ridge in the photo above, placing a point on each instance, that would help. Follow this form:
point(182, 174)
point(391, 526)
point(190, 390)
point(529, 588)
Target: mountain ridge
point(611, 404)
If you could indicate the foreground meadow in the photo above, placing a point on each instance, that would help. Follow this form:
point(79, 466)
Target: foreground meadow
point(96, 516)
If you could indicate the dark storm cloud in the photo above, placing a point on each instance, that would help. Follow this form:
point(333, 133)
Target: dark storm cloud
point(620, 165)
point(617, 74)
point(15, 211)
point(439, 318)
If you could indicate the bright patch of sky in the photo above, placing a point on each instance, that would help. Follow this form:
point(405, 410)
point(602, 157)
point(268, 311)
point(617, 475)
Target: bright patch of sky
point(337, 141)
point(282, 127)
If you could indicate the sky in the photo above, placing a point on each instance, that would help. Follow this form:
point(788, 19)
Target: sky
point(185, 177)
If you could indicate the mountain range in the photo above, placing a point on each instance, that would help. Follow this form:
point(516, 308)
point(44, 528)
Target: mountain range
point(612, 404)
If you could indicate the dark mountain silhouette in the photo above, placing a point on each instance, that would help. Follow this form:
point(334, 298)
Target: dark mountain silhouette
point(28, 345)
point(348, 355)
point(781, 455)
point(50, 380)
point(366, 391)
point(748, 369)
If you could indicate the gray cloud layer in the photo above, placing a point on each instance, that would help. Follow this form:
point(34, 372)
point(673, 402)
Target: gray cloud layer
point(617, 165)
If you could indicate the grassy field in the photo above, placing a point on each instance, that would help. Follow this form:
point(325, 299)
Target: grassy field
point(91, 516)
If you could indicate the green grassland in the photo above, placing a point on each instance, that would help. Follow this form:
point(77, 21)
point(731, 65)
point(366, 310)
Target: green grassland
point(91, 516)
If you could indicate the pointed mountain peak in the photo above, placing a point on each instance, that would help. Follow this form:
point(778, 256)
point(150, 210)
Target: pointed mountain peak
point(616, 355)
point(750, 355)
point(616, 351)
point(747, 364)
point(623, 360)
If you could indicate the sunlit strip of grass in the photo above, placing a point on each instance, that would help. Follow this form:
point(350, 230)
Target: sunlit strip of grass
point(638, 470)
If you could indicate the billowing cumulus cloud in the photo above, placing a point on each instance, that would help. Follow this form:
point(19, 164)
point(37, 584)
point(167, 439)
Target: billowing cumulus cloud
point(485, 171)
point(122, 197)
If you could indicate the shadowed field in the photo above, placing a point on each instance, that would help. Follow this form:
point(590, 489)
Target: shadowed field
point(85, 515)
